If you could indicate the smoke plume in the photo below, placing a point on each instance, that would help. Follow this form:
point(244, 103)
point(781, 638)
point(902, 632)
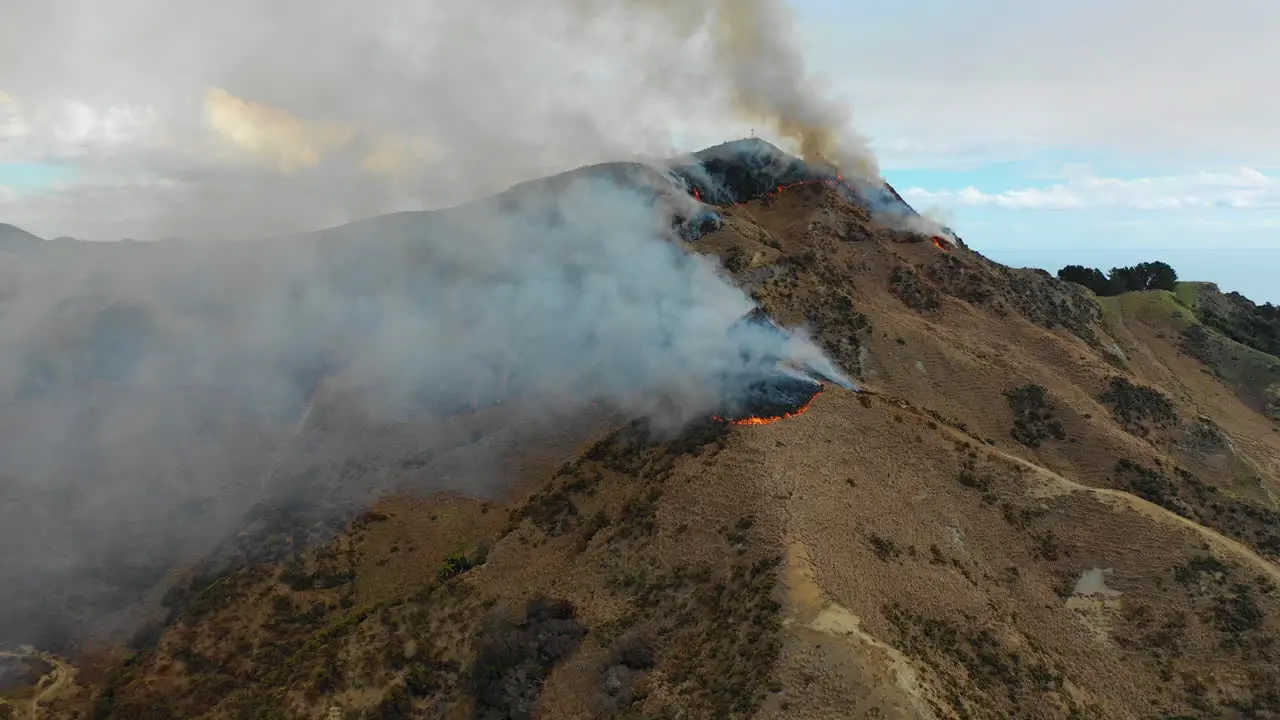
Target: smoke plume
point(157, 398)
point(756, 54)
point(196, 123)
point(157, 393)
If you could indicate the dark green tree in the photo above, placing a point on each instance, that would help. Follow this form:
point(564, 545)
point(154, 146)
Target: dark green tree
point(1091, 278)
point(1144, 276)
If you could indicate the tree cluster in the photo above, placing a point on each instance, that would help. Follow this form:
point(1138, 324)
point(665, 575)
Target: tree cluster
point(1143, 276)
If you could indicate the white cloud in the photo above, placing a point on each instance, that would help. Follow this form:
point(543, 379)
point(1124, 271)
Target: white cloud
point(946, 147)
point(1190, 82)
point(80, 127)
point(502, 92)
point(7, 194)
point(1243, 188)
point(13, 124)
point(1235, 224)
point(59, 130)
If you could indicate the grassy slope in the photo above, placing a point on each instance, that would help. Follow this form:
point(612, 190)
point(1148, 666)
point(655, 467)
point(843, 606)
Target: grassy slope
point(1188, 293)
point(895, 554)
point(1251, 373)
point(1153, 307)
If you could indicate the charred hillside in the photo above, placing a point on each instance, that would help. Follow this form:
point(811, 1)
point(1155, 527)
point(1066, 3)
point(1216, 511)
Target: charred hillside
point(749, 169)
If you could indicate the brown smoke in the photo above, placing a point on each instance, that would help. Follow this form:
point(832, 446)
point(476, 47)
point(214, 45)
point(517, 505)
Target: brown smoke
point(758, 57)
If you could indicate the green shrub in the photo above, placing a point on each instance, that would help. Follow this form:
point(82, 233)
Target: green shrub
point(454, 565)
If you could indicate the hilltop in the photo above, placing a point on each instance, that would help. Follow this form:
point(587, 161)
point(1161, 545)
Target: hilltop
point(15, 240)
point(1037, 502)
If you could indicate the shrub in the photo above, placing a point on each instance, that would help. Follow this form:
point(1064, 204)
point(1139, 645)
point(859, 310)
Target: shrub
point(512, 660)
point(453, 566)
point(1033, 417)
point(1138, 408)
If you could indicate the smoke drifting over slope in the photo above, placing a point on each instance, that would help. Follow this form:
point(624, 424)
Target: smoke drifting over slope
point(152, 391)
point(152, 394)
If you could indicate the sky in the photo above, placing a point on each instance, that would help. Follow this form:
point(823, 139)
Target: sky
point(1045, 133)
point(1082, 132)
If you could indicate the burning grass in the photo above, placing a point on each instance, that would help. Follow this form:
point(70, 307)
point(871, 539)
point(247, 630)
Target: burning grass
point(771, 399)
point(769, 419)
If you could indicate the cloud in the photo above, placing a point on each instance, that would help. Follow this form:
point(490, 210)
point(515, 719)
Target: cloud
point(397, 156)
point(947, 148)
point(85, 128)
point(63, 130)
point(369, 107)
point(1242, 189)
point(1186, 83)
point(291, 143)
point(285, 140)
point(13, 127)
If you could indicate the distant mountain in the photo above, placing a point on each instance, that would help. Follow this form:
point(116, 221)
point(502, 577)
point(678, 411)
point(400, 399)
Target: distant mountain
point(15, 239)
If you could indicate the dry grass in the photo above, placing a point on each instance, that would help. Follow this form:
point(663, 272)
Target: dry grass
point(889, 555)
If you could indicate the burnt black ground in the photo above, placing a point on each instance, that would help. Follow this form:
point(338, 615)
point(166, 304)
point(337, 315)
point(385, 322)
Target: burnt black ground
point(769, 396)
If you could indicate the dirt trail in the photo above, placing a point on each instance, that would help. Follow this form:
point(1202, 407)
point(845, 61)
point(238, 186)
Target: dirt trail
point(901, 690)
point(48, 688)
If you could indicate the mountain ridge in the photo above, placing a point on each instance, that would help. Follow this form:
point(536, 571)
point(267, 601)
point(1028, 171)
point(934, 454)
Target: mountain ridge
point(1038, 503)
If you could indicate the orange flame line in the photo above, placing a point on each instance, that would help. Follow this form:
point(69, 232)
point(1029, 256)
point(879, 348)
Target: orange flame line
point(769, 420)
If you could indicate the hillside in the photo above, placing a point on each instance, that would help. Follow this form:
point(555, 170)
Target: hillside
point(1036, 503)
point(16, 240)
point(1239, 359)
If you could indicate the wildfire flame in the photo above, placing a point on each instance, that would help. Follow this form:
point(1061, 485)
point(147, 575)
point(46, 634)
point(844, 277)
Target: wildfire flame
point(769, 420)
point(942, 244)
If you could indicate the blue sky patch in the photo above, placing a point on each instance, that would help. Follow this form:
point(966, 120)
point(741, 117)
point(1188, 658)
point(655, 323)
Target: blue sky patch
point(33, 176)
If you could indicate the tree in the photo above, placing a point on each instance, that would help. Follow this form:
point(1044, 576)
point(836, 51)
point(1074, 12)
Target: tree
point(1144, 276)
point(1161, 276)
point(1091, 278)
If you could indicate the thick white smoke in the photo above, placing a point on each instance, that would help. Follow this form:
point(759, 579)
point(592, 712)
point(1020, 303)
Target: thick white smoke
point(196, 122)
point(153, 393)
